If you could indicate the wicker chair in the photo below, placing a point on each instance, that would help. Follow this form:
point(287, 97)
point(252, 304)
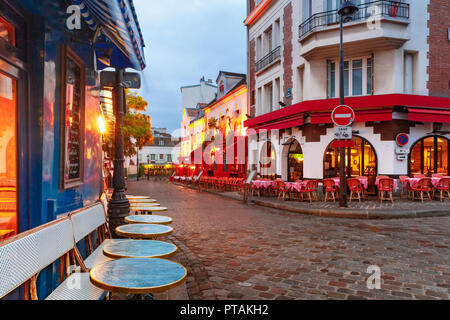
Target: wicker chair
point(311, 190)
point(405, 187)
point(443, 187)
point(356, 188)
point(423, 186)
point(330, 188)
point(386, 187)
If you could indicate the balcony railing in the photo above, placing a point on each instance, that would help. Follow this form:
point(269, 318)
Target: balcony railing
point(273, 56)
point(374, 9)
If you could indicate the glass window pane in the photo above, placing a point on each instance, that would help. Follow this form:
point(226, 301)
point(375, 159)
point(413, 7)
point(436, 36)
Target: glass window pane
point(428, 156)
point(8, 158)
point(346, 78)
point(332, 80)
point(416, 159)
point(7, 31)
point(442, 155)
point(357, 82)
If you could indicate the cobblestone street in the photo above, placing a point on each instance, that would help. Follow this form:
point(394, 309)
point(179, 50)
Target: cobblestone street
point(234, 251)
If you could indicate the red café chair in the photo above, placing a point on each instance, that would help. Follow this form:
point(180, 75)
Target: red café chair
point(282, 190)
point(386, 187)
point(356, 189)
point(443, 187)
point(311, 190)
point(330, 188)
point(424, 185)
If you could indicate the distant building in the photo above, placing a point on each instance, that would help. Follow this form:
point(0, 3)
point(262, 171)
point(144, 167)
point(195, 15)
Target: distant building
point(212, 132)
point(164, 149)
point(204, 92)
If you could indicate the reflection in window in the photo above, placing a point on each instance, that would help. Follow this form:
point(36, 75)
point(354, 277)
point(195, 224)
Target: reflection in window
point(7, 31)
point(430, 156)
point(8, 158)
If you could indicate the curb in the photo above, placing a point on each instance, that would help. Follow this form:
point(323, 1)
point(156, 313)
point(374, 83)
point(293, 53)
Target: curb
point(362, 214)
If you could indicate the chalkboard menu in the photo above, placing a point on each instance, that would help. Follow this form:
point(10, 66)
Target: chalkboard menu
point(73, 94)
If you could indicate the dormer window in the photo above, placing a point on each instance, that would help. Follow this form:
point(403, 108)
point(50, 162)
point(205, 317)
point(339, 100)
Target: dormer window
point(221, 87)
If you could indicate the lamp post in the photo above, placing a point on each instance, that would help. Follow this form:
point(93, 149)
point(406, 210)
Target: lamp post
point(148, 167)
point(346, 12)
point(119, 206)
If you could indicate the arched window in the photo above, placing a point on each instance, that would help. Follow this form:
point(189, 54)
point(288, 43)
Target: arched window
point(361, 160)
point(430, 156)
point(293, 155)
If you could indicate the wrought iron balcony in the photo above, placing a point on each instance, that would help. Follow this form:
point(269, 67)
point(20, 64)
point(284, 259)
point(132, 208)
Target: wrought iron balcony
point(374, 9)
point(270, 58)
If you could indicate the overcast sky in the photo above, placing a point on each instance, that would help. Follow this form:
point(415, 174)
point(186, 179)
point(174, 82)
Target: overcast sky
point(186, 40)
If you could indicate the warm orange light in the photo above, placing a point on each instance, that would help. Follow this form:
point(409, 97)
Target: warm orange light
point(101, 125)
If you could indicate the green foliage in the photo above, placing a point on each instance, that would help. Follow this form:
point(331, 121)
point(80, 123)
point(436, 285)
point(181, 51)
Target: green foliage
point(136, 126)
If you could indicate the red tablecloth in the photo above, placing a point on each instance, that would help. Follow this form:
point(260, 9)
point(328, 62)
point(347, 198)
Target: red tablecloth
point(263, 184)
point(377, 181)
point(296, 186)
point(363, 181)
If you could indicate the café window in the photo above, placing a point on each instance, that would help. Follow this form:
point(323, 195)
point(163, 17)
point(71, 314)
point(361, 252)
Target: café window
point(430, 156)
point(8, 157)
point(7, 32)
point(73, 77)
point(358, 77)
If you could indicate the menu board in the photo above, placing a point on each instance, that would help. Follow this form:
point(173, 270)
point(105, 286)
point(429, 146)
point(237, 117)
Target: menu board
point(73, 113)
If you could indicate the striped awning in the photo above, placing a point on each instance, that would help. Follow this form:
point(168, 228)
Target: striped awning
point(119, 23)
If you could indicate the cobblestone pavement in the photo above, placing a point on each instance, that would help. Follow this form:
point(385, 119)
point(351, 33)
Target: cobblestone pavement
point(233, 251)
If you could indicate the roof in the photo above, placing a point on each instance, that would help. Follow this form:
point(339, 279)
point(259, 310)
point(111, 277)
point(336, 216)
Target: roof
point(231, 74)
point(192, 113)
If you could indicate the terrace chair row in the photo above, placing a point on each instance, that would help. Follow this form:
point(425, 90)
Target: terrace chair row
point(222, 184)
point(23, 257)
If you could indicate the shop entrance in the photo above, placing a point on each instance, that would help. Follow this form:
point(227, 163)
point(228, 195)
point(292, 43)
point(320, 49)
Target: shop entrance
point(430, 156)
point(294, 161)
point(361, 160)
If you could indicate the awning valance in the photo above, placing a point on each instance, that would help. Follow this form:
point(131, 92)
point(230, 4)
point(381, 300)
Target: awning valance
point(120, 25)
point(361, 116)
point(282, 124)
point(429, 115)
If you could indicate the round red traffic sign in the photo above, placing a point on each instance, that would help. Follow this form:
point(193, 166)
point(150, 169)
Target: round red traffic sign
point(402, 139)
point(343, 116)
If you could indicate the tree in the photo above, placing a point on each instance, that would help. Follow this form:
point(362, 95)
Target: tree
point(136, 125)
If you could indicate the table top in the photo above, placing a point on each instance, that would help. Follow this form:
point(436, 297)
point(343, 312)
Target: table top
point(143, 231)
point(133, 204)
point(149, 208)
point(149, 219)
point(142, 201)
point(139, 249)
point(138, 275)
point(137, 197)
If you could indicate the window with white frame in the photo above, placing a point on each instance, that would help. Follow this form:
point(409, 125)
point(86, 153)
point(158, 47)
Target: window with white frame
point(358, 77)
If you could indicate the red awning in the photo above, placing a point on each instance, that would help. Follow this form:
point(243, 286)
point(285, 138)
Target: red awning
point(429, 115)
point(282, 124)
point(357, 103)
point(361, 116)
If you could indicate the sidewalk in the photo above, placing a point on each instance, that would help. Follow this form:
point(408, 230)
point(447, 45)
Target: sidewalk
point(368, 209)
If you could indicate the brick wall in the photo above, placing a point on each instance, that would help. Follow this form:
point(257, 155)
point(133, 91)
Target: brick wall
point(287, 52)
point(439, 68)
point(252, 75)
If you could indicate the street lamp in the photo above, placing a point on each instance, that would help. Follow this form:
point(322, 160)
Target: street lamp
point(346, 12)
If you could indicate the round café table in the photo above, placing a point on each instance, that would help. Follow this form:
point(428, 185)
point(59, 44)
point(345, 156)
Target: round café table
point(139, 249)
point(138, 197)
point(149, 219)
point(142, 201)
point(148, 209)
point(138, 275)
point(143, 231)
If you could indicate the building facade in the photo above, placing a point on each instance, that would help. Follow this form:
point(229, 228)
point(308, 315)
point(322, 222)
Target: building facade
point(213, 136)
point(50, 136)
point(395, 78)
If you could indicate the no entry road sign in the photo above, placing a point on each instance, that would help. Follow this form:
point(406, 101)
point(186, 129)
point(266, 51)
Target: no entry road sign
point(343, 116)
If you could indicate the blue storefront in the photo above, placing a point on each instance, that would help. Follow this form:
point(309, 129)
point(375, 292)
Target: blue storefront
point(51, 157)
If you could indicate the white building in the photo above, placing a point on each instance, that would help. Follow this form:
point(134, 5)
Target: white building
point(396, 79)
